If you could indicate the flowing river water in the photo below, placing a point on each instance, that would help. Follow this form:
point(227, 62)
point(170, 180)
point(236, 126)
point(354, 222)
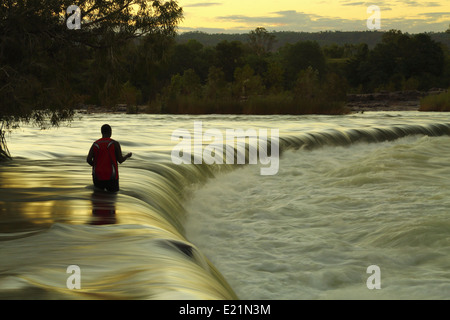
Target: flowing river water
point(349, 192)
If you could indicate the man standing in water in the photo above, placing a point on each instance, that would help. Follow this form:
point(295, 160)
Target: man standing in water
point(103, 156)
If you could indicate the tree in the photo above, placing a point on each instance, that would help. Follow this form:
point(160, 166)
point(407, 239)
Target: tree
point(147, 63)
point(41, 59)
point(190, 55)
point(356, 69)
point(261, 41)
point(274, 77)
point(307, 85)
point(247, 83)
point(401, 56)
point(109, 23)
point(130, 95)
point(187, 84)
point(229, 56)
point(216, 84)
point(423, 55)
point(333, 51)
point(300, 56)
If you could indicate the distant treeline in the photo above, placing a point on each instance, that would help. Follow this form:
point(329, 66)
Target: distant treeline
point(253, 76)
point(48, 67)
point(324, 38)
point(111, 61)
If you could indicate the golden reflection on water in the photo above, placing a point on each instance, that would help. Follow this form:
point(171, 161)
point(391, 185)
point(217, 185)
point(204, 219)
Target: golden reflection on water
point(132, 244)
point(103, 207)
point(37, 194)
point(34, 197)
point(55, 218)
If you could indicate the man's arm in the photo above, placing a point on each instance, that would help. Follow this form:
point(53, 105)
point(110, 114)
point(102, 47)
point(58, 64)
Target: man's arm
point(90, 156)
point(119, 157)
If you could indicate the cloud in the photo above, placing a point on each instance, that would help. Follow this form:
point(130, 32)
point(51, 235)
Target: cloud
point(292, 20)
point(419, 3)
point(355, 4)
point(380, 3)
point(202, 4)
point(207, 30)
point(435, 15)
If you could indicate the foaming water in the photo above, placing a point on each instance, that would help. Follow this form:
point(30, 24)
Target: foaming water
point(352, 191)
point(312, 231)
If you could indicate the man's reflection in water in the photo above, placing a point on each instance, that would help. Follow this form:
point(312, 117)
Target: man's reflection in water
point(103, 207)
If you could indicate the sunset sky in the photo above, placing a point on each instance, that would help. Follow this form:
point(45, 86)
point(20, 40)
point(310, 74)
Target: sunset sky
point(241, 16)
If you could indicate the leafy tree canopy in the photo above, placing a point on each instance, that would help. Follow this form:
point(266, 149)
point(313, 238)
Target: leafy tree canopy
point(38, 52)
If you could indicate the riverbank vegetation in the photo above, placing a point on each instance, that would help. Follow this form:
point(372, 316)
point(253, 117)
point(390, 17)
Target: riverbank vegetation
point(440, 102)
point(119, 58)
point(252, 77)
point(48, 67)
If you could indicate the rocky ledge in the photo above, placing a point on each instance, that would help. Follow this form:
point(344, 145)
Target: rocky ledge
point(389, 101)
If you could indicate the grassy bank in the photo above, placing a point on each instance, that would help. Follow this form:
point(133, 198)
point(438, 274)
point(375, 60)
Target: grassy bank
point(439, 102)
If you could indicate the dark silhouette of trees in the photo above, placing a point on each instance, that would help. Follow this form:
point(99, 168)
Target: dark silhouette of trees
point(261, 41)
point(299, 56)
point(126, 53)
point(228, 57)
point(398, 59)
point(43, 62)
point(47, 67)
point(303, 77)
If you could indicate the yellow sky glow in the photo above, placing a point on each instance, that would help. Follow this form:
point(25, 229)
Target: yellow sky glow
point(313, 15)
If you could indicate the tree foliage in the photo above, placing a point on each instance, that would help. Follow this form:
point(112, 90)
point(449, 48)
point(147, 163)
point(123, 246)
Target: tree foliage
point(299, 56)
point(399, 59)
point(126, 53)
point(45, 67)
point(261, 41)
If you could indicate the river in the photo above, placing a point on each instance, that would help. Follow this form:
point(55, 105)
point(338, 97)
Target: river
point(349, 192)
